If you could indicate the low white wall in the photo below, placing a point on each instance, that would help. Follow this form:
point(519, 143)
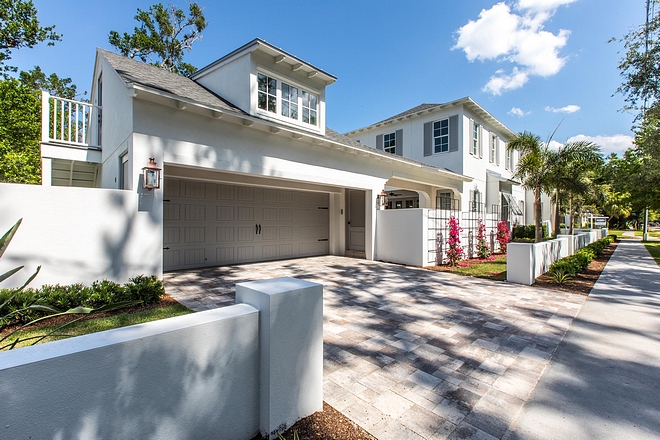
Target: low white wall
point(226, 373)
point(401, 236)
point(526, 261)
point(193, 376)
point(80, 235)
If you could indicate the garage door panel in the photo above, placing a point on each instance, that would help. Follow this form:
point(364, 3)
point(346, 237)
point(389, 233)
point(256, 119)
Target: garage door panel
point(224, 213)
point(195, 213)
point(207, 224)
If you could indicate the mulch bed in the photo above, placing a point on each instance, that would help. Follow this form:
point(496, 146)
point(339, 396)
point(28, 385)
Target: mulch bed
point(328, 424)
point(585, 280)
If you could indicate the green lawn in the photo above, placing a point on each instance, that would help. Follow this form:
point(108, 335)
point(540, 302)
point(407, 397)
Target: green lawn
point(492, 269)
point(97, 325)
point(653, 234)
point(654, 248)
point(617, 232)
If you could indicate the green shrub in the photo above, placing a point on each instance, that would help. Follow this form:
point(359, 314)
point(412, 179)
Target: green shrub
point(572, 265)
point(527, 232)
point(16, 304)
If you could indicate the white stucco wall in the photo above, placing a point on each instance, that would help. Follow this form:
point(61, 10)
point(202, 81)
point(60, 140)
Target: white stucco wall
point(402, 236)
point(79, 235)
point(192, 376)
point(231, 80)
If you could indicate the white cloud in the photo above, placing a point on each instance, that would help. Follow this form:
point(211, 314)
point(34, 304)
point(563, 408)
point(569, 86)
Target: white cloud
point(617, 143)
point(554, 145)
point(515, 111)
point(572, 108)
point(542, 5)
point(503, 82)
point(501, 35)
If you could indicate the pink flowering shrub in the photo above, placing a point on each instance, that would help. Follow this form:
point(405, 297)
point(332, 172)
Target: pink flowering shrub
point(503, 235)
point(455, 252)
point(483, 251)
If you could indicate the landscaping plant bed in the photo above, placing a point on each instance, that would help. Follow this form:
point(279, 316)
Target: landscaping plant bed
point(585, 280)
point(328, 424)
point(492, 268)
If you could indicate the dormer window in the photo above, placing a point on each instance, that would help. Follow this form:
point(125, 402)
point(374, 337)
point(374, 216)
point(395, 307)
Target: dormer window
point(291, 102)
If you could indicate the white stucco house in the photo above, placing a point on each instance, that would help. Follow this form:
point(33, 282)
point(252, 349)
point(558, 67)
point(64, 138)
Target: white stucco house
point(460, 136)
point(250, 172)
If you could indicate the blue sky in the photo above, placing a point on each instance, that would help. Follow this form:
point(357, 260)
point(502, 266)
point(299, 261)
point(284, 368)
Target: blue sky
point(530, 63)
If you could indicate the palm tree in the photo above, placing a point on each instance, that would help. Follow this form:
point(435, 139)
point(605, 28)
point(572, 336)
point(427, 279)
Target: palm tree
point(534, 169)
point(570, 170)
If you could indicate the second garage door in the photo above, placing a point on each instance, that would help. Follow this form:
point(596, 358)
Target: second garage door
point(211, 224)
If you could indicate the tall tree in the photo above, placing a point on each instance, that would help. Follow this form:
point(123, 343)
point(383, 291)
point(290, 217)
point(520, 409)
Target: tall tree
point(20, 27)
point(163, 37)
point(569, 172)
point(534, 170)
point(53, 84)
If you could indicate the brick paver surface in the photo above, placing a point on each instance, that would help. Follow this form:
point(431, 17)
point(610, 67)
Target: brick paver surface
point(411, 353)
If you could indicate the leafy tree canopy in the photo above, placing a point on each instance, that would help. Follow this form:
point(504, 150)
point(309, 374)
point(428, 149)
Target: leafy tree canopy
point(20, 130)
point(53, 84)
point(19, 27)
point(163, 36)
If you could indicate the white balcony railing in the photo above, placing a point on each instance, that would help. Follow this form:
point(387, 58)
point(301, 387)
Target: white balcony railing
point(70, 122)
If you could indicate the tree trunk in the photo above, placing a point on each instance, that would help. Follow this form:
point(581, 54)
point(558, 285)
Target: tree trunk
point(570, 214)
point(557, 222)
point(537, 215)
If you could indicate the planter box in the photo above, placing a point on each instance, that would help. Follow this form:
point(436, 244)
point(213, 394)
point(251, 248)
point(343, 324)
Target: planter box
point(526, 261)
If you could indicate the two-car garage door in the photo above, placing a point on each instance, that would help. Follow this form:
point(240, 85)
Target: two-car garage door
point(211, 224)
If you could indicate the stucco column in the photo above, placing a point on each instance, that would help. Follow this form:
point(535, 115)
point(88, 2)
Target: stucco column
point(46, 171)
point(290, 349)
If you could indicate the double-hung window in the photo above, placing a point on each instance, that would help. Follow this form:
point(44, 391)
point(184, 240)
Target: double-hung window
point(267, 93)
point(493, 149)
point(288, 101)
point(475, 139)
point(441, 136)
point(389, 143)
point(509, 160)
point(310, 107)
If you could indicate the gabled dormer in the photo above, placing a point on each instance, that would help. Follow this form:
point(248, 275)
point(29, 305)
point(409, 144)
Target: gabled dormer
point(269, 83)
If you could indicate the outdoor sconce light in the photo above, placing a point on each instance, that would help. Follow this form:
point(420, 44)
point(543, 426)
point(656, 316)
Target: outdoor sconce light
point(151, 175)
point(381, 200)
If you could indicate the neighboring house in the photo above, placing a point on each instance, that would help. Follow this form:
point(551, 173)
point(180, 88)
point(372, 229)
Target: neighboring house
point(462, 137)
point(249, 170)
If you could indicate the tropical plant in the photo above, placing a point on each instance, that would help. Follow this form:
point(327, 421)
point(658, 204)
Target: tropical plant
point(571, 167)
point(295, 436)
point(483, 251)
point(163, 36)
point(503, 235)
point(560, 276)
point(455, 253)
point(534, 170)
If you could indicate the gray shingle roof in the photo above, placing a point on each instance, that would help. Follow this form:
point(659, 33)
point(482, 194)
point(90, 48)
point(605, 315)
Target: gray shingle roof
point(133, 71)
point(411, 111)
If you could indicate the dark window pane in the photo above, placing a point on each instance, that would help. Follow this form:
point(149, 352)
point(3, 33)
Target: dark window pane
point(262, 101)
point(312, 117)
point(285, 108)
point(271, 104)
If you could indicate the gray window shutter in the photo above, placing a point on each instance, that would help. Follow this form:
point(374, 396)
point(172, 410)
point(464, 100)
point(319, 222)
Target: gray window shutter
point(398, 143)
point(453, 133)
point(428, 139)
point(481, 142)
point(497, 151)
point(379, 141)
point(471, 135)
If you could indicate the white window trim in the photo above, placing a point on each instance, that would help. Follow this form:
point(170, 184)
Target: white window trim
point(493, 149)
point(278, 101)
point(476, 129)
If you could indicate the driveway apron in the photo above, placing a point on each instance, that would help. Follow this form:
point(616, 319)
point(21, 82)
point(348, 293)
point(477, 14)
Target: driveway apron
point(411, 353)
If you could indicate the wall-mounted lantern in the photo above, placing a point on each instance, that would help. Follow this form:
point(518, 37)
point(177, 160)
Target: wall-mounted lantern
point(381, 200)
point(151, 175)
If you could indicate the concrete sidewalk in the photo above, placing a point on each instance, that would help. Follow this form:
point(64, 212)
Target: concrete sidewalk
point(604, 380)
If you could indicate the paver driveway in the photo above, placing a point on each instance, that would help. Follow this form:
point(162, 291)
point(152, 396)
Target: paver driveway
point(411, 353)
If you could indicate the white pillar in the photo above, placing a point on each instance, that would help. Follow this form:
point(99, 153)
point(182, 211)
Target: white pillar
point(290, 349)
point(46, 171)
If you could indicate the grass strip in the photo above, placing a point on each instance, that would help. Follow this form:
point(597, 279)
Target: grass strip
point(494, 269)
point(100, 324)
point(654, 249)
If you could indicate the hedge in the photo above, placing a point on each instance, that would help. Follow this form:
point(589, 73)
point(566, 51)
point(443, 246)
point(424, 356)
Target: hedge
point(574, 264)
point(527, 232)
point(148, 289)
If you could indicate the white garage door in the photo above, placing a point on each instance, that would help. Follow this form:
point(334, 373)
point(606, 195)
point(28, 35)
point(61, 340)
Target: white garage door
point(212, 224)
